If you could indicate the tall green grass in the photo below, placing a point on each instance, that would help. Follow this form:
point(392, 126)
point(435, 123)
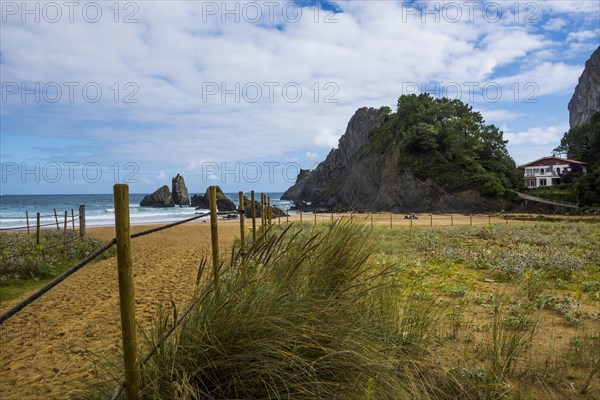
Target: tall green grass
point(303, 314)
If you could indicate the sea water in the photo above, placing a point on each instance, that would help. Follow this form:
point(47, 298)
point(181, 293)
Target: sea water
point(99, 209)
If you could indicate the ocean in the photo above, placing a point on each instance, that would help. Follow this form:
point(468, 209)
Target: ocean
point(99, 209)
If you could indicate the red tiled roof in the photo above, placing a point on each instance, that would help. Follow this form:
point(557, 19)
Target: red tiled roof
point(549, 161)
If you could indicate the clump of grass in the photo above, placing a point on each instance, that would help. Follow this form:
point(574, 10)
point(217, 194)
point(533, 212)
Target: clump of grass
point(24, 260)
point(304, 314)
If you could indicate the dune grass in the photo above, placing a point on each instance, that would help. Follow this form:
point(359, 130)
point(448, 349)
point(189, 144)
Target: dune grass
point(25, 265)
point(346, 312)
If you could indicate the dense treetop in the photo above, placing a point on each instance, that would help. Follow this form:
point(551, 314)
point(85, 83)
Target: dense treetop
point(446, 141)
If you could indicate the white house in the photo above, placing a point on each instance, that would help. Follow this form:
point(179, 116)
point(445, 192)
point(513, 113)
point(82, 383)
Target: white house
point(548, 171)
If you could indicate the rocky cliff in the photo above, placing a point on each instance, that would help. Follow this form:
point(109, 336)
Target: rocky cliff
point(586, 99)
point(354, 176)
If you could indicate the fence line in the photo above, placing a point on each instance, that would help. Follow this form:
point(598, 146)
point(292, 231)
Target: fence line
point(122, 226)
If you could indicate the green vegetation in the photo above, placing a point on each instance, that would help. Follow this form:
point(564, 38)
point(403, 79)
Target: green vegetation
point(25, 265)
point(347, 312)
point(445, 140)
point(562, 192)
point(582, 143)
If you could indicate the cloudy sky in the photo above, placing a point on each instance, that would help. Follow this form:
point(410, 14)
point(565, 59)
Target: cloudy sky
point(242, 93)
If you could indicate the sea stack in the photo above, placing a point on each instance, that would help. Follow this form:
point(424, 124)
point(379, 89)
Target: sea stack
point(179, 191)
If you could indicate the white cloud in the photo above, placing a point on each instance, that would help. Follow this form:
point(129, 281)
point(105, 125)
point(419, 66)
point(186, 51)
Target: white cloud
point(327, 138)
point(555, 24)
point(582, 36)
point(161, 176)
point(310, 154)
point(499, 115)
point(537, 135)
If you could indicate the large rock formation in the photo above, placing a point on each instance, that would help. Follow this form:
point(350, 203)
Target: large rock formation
point(160, 198)
point(351, 178)
point(180, 191)
point(223, 202)
point(586, 99)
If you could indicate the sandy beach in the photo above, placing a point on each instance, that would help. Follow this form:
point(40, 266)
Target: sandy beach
point(50, 348)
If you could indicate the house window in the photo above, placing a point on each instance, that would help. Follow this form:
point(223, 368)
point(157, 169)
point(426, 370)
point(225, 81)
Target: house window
point(555, 181)
point(543, 182)
point(541, 170)
point(558, 170)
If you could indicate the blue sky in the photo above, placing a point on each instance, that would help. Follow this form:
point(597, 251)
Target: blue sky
point(243, 94)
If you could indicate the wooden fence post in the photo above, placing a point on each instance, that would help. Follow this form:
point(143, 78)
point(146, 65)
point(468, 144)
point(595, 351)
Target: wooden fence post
point(270, 213)
point(371, 220)
point(391, 221)
point(471, 219)
point(82, 221)
point(351, 217)
point(279, 215)
point(332, 217)
point(65, 232)
point(241, 194)
point(411, 221)
point(27, 217)
point(126, 291)
point(56, 218)
point(37, 232)
point(287, 216)
point(489, 220)
point(300, 216)
point(214, 238)
point(315, 212)
point(263, 205)
point(253, 212)
point(431, 220)
point(73, 219)
point(451, 220)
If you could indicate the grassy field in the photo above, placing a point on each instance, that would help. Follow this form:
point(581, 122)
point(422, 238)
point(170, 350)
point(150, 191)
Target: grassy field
point(349, 312)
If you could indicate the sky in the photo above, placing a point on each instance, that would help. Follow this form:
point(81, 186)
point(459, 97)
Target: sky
point(243, 94)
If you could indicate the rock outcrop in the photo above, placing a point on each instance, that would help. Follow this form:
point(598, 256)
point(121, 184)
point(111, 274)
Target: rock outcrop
point(353, 179)
point(179, 191)
point(586, 99)
point(223, 202)
point(160, 198)
point(198, 201)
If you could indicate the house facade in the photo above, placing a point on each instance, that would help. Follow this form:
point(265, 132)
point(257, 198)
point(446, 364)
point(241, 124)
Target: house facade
point(548, 171)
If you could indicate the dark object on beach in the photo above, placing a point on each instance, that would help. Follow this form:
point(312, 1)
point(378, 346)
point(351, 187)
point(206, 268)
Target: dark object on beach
point(160, 198)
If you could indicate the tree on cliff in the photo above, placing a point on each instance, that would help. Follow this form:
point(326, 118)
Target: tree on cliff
point(448, 142)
